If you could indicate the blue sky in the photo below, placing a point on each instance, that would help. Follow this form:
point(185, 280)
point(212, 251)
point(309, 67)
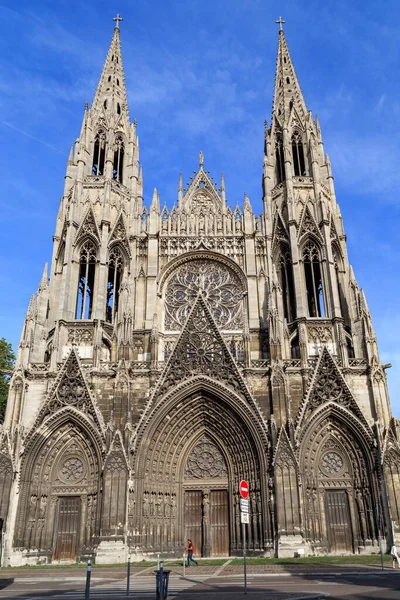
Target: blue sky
point(200, 76)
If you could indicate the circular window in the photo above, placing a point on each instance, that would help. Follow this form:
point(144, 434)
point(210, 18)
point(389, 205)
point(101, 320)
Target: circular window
point(332, 463)
point(220, 286)
point(72, 470)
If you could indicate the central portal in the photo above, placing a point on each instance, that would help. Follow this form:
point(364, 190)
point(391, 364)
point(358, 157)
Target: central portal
point(206, 515)
point(206, 505)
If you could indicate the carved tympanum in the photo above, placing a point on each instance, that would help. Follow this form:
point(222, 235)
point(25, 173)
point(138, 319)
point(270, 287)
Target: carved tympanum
point(205, 461)
point(221, 289)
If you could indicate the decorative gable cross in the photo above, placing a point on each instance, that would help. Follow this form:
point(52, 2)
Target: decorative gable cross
point(117, 19)
point(280, 22)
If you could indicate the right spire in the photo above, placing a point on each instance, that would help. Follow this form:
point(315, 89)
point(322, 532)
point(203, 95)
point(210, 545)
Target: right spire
point(287, 93)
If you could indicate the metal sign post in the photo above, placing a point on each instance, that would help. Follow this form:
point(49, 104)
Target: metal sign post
point(244, 519)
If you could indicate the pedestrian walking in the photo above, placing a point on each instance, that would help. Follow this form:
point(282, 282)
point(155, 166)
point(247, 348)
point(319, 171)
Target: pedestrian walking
point(395, 557)
point(190, 552)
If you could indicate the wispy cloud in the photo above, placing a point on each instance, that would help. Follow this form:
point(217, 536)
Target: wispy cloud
point(32, 137)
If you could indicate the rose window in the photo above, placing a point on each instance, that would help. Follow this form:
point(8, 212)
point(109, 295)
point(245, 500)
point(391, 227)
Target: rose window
point(328, 388)
point(220, 286)
point(205, 461)
point(332, 463)
point(72, 470)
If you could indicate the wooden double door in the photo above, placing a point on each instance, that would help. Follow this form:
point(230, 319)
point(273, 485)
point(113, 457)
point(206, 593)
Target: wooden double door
point(67, 526)
point(206, 521)
point(338, 521)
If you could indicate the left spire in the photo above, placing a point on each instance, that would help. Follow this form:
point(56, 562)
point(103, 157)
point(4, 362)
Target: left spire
point(110, 97)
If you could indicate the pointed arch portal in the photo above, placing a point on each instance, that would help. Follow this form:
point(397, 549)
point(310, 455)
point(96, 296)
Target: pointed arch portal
point(189, 462)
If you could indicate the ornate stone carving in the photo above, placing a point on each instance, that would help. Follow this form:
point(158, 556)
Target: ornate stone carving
point(71, 390)
point(205, 461)
point(201, 350)
point(72, 470)
point(88, 226)
point(321, 335)
point(328, 385)
point(80, 335)
point(332, 463)
point(116, 462)
point(221, 289)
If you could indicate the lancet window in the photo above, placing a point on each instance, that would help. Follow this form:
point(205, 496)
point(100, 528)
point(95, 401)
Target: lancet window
point(115, 271)
point(99, 153)
point(87, 271)
point(118, 164)
point(287, 285)
point(299, 165)
point(313, 280)
point(279, 159)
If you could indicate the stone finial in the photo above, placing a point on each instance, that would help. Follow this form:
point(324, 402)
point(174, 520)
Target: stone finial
point(201, 160)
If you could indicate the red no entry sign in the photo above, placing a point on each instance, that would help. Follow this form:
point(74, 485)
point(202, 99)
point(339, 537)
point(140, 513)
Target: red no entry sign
point(244, 489)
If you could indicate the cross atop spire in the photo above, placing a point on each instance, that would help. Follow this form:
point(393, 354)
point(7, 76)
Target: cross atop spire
point(280, 22)
point(117, 19)
point(288, 94)
point(110, 97)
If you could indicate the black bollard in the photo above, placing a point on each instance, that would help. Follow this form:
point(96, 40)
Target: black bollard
point(128, 578)
point(88, 574)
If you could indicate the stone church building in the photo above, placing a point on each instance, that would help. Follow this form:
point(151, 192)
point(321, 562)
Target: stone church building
point(168, 354)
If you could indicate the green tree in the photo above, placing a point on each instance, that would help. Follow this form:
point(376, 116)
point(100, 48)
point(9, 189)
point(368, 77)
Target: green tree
point(7, 361)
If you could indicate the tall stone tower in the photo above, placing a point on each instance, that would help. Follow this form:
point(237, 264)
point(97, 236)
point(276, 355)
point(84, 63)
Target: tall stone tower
point(171, 353)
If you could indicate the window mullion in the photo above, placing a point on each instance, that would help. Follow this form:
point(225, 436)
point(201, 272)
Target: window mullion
point(317, 310)
point(85, 287)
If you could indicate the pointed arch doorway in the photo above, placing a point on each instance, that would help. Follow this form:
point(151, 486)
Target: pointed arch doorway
point(206, 499)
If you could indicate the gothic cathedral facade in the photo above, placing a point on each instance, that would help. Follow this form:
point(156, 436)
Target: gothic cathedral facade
point(168, 354)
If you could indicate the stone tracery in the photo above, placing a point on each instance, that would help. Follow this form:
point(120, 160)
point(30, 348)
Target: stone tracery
point(205, 460)
point(220, 287)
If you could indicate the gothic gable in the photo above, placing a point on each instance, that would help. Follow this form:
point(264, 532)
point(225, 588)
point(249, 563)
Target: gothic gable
point(284, 455)
point(70, 390)
point(333, 232)
point(391, 444)
point(119, 234)
point(295, 121)
point(279, 233)
point(308, 225)
point(202, 195)
point(88, 227)
point(201, 350)
point(328, 386)
point(116, 457)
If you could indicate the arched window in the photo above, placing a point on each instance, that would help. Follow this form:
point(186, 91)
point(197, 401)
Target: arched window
point(115, 269)
point(118, 108)
point(279, 158)
point(299, 165)
point(285, 270)
point(118, 166)
point(99, 153)
point(87, 269)
point(313, 280)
